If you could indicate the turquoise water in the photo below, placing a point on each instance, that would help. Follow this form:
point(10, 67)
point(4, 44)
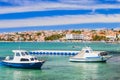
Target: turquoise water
point(58, 67)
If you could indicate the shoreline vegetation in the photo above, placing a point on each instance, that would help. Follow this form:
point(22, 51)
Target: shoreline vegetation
point(67, 41)
point(109, 36)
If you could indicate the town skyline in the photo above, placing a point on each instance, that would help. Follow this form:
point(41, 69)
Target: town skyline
point(107, 35)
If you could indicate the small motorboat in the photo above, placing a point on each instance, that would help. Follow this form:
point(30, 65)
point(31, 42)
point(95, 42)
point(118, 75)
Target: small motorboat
point(88, 55)
point(22, 59)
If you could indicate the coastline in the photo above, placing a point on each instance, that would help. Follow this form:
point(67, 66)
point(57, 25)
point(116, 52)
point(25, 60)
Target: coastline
point(67, 41)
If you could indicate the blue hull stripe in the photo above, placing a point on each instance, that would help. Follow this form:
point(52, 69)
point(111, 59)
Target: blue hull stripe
point(24, 65)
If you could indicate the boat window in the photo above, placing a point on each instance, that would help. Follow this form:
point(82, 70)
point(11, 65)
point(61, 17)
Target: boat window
point(17, 54)
point(87, 51)
point(103, 53)
point(32, 59)
point(24, 59)
point(23, 54)
point(35, 58)
point(26, 53)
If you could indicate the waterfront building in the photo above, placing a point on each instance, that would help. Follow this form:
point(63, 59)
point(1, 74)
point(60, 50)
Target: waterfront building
point(74, 36)
point(111, 35)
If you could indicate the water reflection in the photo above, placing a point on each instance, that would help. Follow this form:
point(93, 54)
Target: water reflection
point(115, 59)
point(19, 74)
point(59, 68)
point(99, 71)
point(88, 71)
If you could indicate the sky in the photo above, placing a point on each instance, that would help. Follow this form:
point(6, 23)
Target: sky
point(29, 15)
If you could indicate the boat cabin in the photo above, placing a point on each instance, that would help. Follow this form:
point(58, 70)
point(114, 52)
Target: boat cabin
point(88, 52)
point(22, 56)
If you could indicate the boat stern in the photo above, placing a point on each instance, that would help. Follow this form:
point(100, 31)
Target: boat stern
point(106, 57)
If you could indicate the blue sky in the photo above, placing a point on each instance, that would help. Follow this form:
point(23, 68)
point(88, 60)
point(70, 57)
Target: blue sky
point(27, 15)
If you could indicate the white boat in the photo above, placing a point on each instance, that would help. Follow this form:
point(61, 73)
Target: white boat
point(22, 59)
point(88, 55)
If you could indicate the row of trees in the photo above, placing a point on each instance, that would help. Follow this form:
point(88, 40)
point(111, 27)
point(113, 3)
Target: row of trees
point(99, 38)
point(54, 37)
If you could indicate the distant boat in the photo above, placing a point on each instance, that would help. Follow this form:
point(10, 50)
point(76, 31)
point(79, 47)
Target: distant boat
point(22, 59)
point(112, 42)
point(88, 55)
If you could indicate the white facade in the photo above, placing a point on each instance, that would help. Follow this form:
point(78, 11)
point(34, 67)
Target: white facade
point(119, 36)
point(111, 37)
point(74, 36)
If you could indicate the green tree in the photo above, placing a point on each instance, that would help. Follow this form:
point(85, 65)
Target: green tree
point(38, 33)
point(98, 38)
point(54, 37)
point(76, 31)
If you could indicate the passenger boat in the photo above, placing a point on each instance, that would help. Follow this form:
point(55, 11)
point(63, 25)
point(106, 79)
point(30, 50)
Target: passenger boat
point(88, 55)
point(22, 59)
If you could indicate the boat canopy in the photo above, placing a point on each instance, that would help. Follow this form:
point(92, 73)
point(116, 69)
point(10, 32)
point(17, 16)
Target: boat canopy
point(20, 53)
point(87, 50)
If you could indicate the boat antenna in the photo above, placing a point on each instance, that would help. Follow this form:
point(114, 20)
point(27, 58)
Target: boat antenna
point(85, 43)
point(19, 43)
point(19, 46)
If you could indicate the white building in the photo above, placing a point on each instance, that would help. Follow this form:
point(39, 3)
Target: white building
point(119, 36)
point(74, 36)
point(111, 37)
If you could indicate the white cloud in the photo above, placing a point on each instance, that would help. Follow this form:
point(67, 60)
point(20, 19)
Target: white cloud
point(38, 7)
point(43, 6)
point(82, 2)
point(59, 20)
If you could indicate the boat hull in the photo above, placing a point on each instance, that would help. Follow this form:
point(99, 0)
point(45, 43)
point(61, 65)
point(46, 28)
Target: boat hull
point(88, 59)
point(33, 65)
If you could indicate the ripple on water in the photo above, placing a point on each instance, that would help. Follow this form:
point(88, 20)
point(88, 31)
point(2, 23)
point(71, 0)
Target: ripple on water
point(115, 59)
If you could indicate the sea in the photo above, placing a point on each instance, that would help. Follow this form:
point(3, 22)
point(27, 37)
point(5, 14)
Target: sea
point(59, 67)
